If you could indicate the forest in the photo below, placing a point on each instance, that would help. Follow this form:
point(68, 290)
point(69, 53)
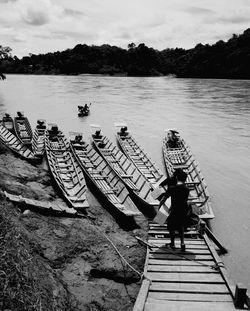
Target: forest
point(224, 59)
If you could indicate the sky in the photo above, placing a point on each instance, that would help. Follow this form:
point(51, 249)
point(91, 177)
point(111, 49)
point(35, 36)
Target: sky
point(42, 26)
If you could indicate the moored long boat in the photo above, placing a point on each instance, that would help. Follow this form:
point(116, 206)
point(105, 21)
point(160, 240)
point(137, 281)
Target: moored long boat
point(42, 206)
point(177, 154)
point(65, 169)
point(23, 129)
point(102, 177)
point(139, 157)
point(138, 186)
point(38, 138)
point(17, 147)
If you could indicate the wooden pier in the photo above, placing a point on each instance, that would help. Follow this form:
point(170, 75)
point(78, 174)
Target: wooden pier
point(192, 280)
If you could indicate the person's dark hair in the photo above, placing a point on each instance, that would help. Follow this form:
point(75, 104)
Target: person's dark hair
point(180, 175)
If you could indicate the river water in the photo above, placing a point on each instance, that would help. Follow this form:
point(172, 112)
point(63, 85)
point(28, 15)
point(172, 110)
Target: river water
point(213, 116)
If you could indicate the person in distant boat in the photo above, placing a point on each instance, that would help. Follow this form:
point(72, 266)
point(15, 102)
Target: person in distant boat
point(83, 109)
point(124, 131)
point(172, 138)
point(176, 220)
point(97, 134)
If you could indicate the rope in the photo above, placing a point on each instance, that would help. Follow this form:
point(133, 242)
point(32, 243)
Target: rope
point(216, 266)
point(121, 256)
point(127, 263)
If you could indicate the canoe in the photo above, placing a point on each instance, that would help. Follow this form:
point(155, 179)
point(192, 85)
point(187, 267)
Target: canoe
point(140, 190)
point(8, 122)
point(65, 169)
point(139, 157)
point(38, 139)
point(41, 206)
point(23, 129)
point(103, 178)
point(16, 146)
point(177, 154)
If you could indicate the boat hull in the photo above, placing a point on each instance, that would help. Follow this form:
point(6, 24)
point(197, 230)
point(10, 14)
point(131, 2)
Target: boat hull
point(16, 146)
point(180, 156)
point(23, 130)
point(104, 180)
point(140, 190)
point(65, 170)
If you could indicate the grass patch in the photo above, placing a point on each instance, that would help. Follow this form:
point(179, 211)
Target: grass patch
point(18, 286)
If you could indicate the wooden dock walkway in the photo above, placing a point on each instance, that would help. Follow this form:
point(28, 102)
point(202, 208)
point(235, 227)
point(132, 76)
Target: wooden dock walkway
point(192, 280)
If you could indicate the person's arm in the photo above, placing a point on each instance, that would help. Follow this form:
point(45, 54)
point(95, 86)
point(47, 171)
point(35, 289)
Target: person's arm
point(166, 195)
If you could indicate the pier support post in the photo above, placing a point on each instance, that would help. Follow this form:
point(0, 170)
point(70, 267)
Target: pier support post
point(240, 296)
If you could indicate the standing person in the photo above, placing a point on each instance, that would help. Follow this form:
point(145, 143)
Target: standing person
point(179, 207)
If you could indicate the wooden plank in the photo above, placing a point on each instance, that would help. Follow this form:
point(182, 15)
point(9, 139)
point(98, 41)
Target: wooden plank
point(153, 261)
point(165, 249)
point(167, 240)
point(178, 245)
point(188, 288)
point(186, 277)
point(221, 269)
point(189, 297)
point(178, 256)
point(184, 269)
point(142, 296)
point(166, 232)
point(188, 306)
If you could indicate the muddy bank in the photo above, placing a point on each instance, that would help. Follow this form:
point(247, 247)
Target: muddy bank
point(70, 263)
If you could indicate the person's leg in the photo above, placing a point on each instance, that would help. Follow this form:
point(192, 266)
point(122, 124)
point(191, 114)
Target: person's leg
point(181, 234)
point(172, 238)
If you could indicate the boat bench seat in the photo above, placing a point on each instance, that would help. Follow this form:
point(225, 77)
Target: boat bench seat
point(195, 200)
point(99, 177)
point(75, 198)
point(182, 166)
point(109, 191)
point(106, 151)
point(126, 176)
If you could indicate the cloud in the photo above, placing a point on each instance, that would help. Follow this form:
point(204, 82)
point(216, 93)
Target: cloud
point(125, 35)
point(74, 13)
point(36, 18)
point(198, 11)
point(78, 35)
point(39, 12)
point(40, 26)
point(6, 1)
point(238, 19)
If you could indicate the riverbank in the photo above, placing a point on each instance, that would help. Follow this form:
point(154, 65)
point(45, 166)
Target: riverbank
point(59, 263)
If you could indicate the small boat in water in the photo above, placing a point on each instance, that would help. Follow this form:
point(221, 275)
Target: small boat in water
point(23, 129)
point(138, 186)
point(139, 157)
point(65, 169)
point(176, 155)
point(8, 122)
point(16, 146)
point(38, 139)
point(102, 177)
point(83, 111)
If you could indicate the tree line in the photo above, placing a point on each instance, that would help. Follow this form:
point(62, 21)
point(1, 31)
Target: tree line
point(224, 59)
